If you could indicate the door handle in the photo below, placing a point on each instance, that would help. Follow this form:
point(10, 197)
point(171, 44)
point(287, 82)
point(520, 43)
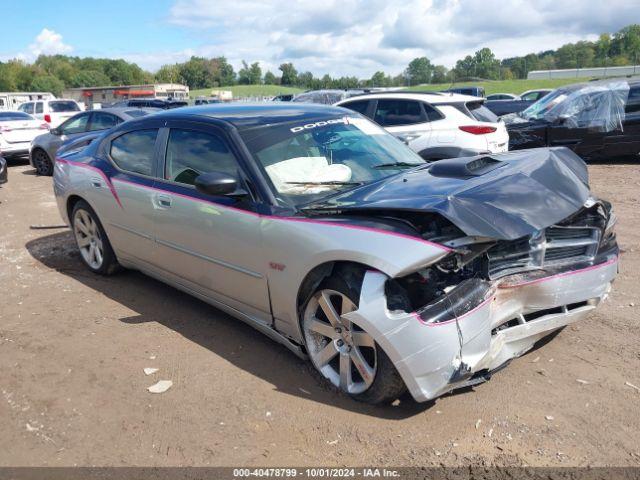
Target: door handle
point(96, 182)
point(164, 201)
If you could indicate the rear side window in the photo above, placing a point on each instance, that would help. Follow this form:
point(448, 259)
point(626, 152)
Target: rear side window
point(481, 113)
point(102, 121)
point(633, 102)
point(360, 106)
point(133, 151)
point(390, 113)
point(26, 107)
point(191, 153)
point(58, 106)
point(39, 107)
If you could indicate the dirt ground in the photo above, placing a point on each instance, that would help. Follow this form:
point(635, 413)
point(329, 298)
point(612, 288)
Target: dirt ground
point(73, 347)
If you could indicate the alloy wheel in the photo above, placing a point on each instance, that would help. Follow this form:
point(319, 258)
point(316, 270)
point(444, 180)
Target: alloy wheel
point(343, 352)
point(88, 238)
point(42, 162)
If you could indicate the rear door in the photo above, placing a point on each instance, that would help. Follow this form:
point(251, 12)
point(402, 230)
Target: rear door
point(406, 119)
point(582, 131)
point(128, 193)
point(213, 242)
point(626, 142)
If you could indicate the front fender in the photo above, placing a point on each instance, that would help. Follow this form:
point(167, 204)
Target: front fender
point(295, 246)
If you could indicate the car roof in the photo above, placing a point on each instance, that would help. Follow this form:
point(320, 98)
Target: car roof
point(433, 98)
point(246, 115)
point(122, 111)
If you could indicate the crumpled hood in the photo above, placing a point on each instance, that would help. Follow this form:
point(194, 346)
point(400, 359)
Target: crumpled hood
point(502, 196)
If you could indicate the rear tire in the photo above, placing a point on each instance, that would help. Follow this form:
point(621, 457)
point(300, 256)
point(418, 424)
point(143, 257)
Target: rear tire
point(347, 356)
point(42, 162)
point(91, 239)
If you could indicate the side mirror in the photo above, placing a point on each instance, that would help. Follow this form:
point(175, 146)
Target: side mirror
point(561, 120)
point(218, 183)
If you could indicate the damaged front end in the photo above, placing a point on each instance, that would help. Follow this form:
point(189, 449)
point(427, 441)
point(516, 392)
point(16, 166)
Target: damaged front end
point(451, 324)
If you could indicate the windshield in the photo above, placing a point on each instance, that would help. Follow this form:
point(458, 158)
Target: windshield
point(538, 109)
point(311, 161)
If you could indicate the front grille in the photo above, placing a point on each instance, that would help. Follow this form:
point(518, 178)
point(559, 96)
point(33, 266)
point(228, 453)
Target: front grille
point(570, 243)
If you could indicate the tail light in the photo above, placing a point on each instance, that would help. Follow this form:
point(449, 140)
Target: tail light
point(477, 129)
point(47, 118)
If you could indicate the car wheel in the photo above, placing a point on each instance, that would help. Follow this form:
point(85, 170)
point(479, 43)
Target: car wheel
point(92, 241)
point(42, 162)
point(346, 355)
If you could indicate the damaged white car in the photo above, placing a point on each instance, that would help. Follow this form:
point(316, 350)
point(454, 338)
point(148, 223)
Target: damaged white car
point(332, 237)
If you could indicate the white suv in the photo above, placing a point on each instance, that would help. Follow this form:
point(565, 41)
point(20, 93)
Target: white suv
point(435, 125)
point(54, 112)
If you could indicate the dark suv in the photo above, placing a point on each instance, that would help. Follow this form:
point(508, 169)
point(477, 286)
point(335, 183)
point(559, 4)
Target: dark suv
point(597, 120)
point(150, 103)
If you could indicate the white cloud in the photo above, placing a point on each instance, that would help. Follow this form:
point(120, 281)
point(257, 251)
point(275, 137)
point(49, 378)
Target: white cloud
point(358, 37)
point(48, 42)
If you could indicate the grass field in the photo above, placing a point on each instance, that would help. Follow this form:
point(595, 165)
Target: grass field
point(248, 90)
point(506, 86)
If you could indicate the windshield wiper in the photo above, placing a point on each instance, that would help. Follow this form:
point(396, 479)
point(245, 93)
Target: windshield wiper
point(325, 183)
point(398, 164)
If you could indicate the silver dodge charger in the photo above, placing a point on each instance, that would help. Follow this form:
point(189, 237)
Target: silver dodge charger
point(330, 236)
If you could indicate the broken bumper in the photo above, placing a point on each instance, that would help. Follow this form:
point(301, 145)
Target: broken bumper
point(435, 358)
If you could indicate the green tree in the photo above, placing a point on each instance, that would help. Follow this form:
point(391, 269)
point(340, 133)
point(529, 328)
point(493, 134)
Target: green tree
point(47, 83)
point(168, 74)
point(270, 79)
point(419, 71)
point(289, 74)
point(439, 74)
point(89, 78)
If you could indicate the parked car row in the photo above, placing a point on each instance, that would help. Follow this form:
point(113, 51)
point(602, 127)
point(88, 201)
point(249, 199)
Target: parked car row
point(500, 104)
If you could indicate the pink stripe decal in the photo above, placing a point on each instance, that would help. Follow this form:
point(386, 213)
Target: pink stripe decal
point(271, 217)
point(560, 275)
point(97, 170)
point(367, 229)
point(196, 199)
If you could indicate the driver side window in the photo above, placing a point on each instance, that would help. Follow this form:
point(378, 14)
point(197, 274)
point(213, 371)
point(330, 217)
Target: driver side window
point(191, 153)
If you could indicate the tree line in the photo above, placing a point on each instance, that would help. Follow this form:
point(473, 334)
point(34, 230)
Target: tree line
point(54, 73)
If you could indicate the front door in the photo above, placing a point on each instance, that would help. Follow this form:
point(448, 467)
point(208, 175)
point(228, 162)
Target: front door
point(213, 242)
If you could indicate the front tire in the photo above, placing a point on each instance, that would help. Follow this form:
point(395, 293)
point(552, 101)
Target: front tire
point(42, 162)
point(91, 239)
point(343, 353)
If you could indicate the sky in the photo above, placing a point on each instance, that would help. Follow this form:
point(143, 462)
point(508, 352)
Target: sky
point(338, 37)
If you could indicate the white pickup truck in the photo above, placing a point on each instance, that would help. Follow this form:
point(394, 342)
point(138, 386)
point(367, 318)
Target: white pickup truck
point(54, 112)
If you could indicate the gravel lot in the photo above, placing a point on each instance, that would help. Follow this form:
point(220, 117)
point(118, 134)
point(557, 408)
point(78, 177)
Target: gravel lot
point(73, 392)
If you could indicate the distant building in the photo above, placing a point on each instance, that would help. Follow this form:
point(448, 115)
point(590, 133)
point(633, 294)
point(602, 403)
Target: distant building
point(95, 97)
point(585, 72)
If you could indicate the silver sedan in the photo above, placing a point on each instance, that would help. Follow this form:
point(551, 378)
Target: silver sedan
point(44, 147)
point(333, 238)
